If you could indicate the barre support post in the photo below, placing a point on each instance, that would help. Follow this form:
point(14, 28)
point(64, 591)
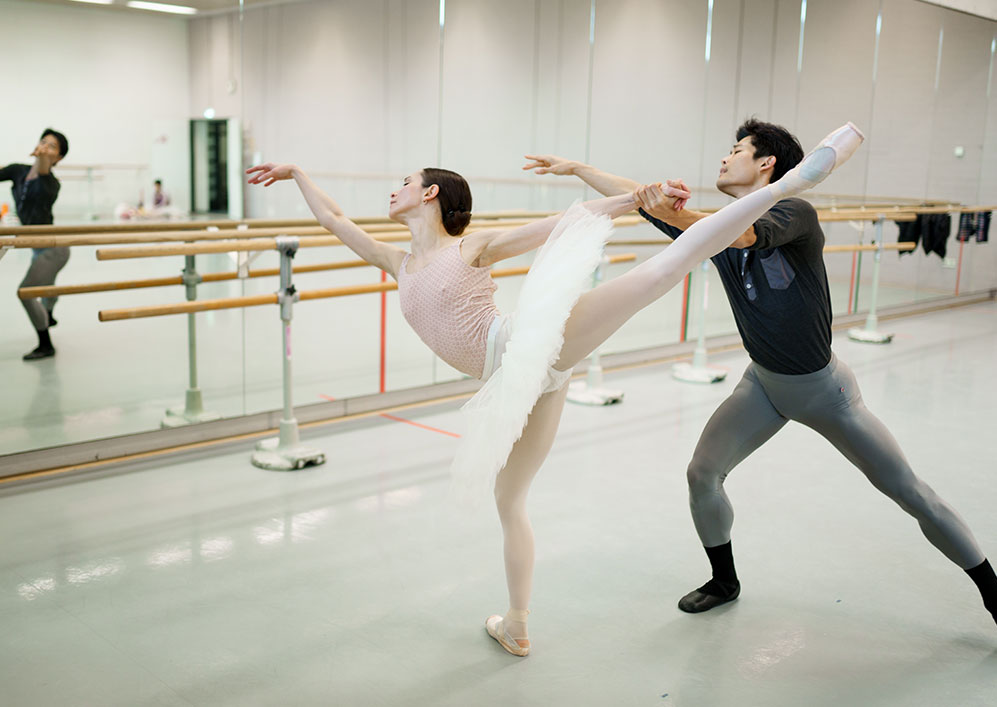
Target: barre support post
point(590, 390)
point(193, 410)
point(285, 452)
point(869, 334)
point(698, 371)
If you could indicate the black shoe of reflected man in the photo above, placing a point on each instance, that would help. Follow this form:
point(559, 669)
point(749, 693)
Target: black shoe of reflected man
point(40, 352)
point(710, 595)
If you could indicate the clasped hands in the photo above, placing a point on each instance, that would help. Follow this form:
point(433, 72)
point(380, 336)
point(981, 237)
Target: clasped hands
point(659, 199)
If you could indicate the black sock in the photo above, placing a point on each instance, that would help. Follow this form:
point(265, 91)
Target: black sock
point(51, 320)
point(985, 579)
point(44, 340)
point(722, 561)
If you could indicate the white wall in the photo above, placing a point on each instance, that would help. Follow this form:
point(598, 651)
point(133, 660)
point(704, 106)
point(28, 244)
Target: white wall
point(107, 79)
point(353, 87)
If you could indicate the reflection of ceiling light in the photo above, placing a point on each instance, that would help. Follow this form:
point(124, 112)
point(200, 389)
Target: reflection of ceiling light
point(161, 7)
point(96, 2)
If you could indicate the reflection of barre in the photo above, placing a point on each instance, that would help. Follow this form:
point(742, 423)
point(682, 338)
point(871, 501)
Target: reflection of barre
point(869, 334)
point(59, 290)
point(698, 371)
point(268, 243)
point(25, 241)
point(590, 391)
point(157, 310)
point(231, 246)
point(903, 245)
point(827, 249)
point(230, 223)
point(212, 234)
point(170, 226)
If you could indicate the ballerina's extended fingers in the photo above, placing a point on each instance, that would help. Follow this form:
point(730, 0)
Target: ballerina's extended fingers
point(540, 163)
point(267, 174)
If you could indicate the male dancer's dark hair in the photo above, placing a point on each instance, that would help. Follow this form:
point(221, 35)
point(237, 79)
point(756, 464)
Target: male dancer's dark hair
point(775, 140)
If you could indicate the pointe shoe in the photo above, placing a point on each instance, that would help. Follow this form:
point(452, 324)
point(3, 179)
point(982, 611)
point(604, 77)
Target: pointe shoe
point(832, 152)
point(495, 625)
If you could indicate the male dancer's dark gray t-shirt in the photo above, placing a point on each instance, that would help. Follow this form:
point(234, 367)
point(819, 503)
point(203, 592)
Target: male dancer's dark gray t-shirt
point(34, 198)
point(778, 289)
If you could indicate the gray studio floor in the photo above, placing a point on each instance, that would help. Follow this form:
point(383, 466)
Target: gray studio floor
point(200, 580)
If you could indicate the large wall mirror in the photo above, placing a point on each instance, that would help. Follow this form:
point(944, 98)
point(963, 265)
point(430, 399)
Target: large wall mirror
point(164, 106)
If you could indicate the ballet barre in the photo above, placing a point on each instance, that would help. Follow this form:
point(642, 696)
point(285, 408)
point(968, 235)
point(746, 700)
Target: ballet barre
point(59, 290)
point(156, 310)
point(249, 223)
point(268, 243)
point(212, 233)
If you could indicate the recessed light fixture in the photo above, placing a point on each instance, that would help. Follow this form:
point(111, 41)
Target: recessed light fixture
point(161, 7)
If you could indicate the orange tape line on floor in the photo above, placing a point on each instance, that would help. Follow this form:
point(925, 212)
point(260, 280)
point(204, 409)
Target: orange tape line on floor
point(402, 419)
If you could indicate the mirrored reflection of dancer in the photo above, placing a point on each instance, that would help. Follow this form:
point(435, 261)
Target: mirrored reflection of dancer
point(776, 282)
point(35, 191)
point(526, 358)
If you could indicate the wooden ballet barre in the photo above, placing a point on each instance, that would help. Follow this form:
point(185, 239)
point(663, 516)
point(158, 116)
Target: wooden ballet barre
point(26, 241)
point(59, 290)
point(269, 243)
point(134, 227)
point(902, 245)
point(233, 246)
point(156, 310)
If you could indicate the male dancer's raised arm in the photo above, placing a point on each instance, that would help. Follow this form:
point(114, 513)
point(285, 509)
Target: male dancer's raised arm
point(652, 198)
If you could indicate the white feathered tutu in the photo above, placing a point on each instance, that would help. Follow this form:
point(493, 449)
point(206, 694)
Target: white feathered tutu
point(497, 414)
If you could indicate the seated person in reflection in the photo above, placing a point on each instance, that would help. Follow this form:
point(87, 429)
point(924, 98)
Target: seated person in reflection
point(160, 199)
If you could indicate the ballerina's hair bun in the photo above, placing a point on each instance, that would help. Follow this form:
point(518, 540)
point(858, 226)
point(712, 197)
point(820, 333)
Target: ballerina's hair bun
point(454, 198)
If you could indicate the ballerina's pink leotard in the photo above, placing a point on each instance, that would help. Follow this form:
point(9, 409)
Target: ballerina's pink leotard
point(451, 306)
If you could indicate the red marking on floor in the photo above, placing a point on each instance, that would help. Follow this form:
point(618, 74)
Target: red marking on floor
point(419, 424)
point(402, 419)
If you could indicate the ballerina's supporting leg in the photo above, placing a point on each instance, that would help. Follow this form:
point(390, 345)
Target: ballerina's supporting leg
point(511, 488)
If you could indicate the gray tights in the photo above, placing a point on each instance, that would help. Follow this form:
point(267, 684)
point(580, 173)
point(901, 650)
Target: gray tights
point(45, 265)
point(829, 402)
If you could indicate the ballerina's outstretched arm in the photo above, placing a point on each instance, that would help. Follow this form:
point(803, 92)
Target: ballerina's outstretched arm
point(489, 246)
point(385, 256)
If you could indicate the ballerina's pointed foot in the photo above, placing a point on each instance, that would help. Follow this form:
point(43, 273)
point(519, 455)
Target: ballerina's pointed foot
point(496, 629)
point(832, 152)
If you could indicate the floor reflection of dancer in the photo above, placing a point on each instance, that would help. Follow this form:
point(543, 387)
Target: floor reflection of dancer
point(35, 191)
point(445, 292)
point(777, 286)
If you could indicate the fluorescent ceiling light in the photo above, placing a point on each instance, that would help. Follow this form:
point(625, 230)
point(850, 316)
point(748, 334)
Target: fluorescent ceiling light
point(96, 2)
point(161, 7)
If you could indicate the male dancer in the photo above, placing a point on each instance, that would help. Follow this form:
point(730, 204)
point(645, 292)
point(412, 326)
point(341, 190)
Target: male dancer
point(776, 282)
point(35, 191)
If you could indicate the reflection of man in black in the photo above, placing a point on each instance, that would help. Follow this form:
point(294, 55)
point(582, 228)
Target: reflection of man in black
point(35, 191)
point(776, 283)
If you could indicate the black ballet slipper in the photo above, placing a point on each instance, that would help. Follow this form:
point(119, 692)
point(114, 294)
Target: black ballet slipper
point(40, 352)
point(709, 596)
